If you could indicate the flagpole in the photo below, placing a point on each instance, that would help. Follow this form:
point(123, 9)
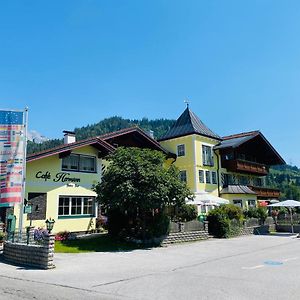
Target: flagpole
point(21, 216)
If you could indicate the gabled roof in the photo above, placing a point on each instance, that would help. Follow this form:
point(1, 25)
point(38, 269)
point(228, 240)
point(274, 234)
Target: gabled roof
point(189, 123)
point(119, 137)
point(105, 143)
point(95, 142)
point(236, 140)
point(245, 139)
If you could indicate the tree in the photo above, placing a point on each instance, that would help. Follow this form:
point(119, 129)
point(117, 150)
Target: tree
point(136, 189)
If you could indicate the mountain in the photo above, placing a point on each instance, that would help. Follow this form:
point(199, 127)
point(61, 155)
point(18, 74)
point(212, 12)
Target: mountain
point(36, 137)
point(286, 177)
point(158, 126)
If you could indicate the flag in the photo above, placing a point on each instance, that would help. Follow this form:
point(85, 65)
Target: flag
point(12, 139)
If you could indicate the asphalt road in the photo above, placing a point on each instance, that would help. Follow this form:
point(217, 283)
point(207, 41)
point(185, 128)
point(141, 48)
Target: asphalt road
point(253, 267)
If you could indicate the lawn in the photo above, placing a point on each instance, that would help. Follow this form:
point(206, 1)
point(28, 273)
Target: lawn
point(102, 243)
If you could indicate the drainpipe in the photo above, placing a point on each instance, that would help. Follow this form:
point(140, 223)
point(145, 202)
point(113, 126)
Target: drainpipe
point(218, 172)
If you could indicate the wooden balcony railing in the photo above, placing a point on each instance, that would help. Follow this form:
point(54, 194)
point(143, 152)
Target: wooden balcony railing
point(244, 166)
point(264, 192)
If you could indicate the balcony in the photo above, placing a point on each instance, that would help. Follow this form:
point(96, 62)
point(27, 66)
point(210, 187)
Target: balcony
point(265, 193)
point(244, 166)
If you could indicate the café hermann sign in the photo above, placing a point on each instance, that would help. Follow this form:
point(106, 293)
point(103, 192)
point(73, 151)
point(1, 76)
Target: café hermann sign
point(58, 177)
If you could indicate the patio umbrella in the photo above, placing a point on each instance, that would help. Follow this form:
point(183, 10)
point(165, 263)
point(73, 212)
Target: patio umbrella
point(208, 199)
point(289, 204)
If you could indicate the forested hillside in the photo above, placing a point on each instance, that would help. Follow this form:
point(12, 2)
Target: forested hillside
point(286, 178)
point(159, 127)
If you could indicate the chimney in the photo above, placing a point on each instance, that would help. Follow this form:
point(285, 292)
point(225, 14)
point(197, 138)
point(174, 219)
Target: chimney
point(69, 137)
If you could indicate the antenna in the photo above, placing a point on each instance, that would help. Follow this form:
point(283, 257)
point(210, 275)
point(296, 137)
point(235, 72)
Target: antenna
point(187, 102)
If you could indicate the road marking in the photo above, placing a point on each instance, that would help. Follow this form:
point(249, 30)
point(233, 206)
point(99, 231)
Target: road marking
point(290, 259)
point(253, 268)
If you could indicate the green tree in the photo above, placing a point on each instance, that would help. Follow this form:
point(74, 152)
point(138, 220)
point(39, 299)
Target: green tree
point(136, 189)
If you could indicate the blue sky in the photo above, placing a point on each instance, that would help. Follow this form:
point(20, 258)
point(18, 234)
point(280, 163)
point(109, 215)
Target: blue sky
point(74, 63)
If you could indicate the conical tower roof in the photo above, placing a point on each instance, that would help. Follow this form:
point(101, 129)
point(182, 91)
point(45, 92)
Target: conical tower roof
point(189, 123)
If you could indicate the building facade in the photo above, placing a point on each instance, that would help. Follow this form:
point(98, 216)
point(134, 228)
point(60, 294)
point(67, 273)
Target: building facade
point(59, 181)
point(232, 167)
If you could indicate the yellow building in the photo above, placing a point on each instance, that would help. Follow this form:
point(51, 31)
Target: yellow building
point(59, 181)
point(232, 167)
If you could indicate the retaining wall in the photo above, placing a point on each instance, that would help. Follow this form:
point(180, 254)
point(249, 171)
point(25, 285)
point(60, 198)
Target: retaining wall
point(33, 255)
point(287, 228)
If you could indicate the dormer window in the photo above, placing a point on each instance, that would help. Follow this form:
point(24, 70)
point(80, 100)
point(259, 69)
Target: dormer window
point(79, 163)
point(181, 150)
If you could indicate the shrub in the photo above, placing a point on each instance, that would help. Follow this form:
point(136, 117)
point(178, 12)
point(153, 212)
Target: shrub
point(39, 234)
point(225, 221)
point(185, 213)
point(251, 213)
point(64, 236)
point(151, 225)
point(260, 213)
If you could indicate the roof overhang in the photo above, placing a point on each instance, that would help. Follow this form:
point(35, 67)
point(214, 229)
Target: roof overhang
point(66, 149)
point(257, 141)
point(133, 137)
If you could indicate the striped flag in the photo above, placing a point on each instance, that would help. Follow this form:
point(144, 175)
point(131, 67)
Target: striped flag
point(12, 141)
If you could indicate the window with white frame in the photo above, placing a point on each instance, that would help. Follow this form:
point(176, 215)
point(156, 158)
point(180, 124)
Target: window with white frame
point(182, 176)
point(201, 176)
point(238, 203)
point(251, 203)
point(207, 156)
point(214, 177)
point(181, 150)
point(79, 163)
point(207, 177)
point(76, 206)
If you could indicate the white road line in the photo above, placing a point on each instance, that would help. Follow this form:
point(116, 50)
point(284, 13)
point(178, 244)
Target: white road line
point(289, 259)
point(253, 268)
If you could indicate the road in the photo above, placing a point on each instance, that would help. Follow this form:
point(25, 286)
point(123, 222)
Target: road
point(252, 267)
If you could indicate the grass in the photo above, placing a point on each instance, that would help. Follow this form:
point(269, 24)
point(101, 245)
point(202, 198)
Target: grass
point(102, 243)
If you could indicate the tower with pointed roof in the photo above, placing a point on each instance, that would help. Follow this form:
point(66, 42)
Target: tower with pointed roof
point(193, 143)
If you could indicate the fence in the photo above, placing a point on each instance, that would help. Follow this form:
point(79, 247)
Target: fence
point(285, 219)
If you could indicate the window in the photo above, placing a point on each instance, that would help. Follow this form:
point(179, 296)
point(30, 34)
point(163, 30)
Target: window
point(182, 176)
point(201, 176)
point(207, 177)
point(207, 156)
point(71, 206)
point(64, 206)
point(238, 203)
point(181, 150)
point(214, 177)
point(243, 180)
point(251, 203)
point(78, 162)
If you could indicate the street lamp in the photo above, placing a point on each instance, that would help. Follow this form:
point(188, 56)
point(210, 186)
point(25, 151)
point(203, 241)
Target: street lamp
point(49, 224)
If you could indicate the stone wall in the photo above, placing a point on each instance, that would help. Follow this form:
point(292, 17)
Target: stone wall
point(32, 255)
point(187, 236)
point(287, 228)
point(258, 230)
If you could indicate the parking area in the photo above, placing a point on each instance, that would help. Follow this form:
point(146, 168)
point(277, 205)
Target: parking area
point(262, 267)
